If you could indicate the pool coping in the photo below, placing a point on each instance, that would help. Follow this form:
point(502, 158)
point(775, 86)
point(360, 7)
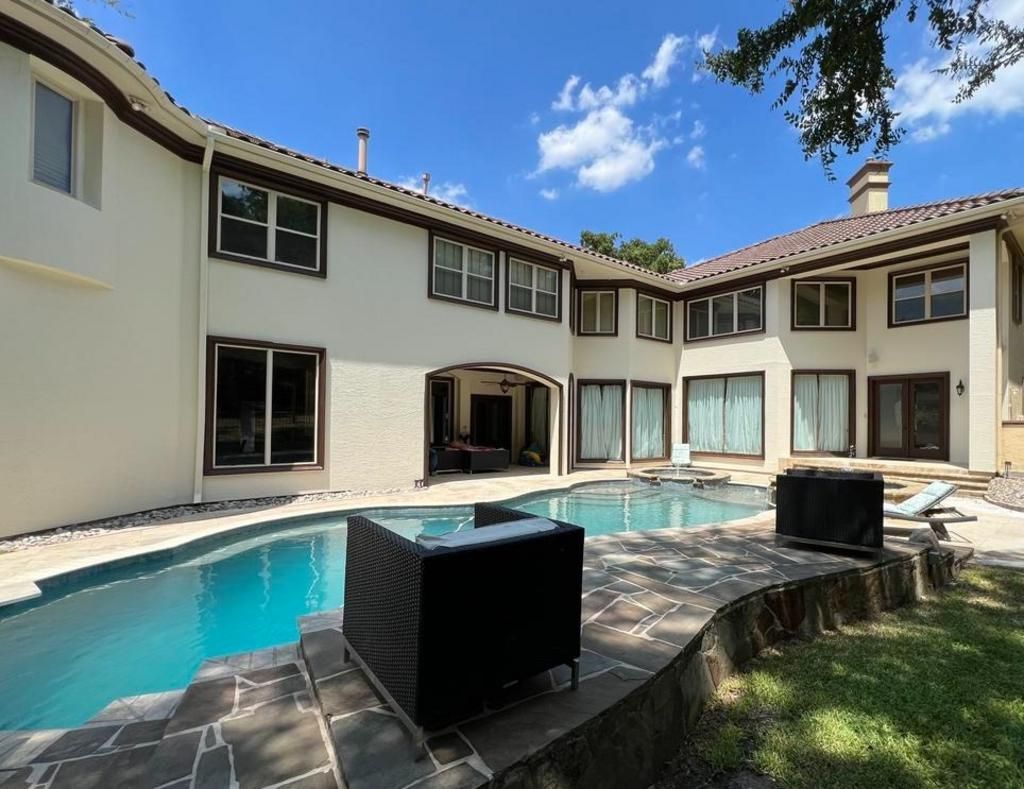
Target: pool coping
point(35, 581)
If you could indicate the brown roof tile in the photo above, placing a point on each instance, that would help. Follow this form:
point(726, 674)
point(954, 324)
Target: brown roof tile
point(835, 231)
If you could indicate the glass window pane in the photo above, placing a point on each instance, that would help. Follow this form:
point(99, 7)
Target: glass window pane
point(447, 283)
point(293, 429)
point(705, 414)
point(479, 289)
point(743, 410)
point(297, 215)
point(520, 298)
point(243, 201)
point(521, 273)
point(295, 249)
point(480, 263)
point(926, 416)
point(947, 304)
point(722, 314)
point(608, 317)
point(908, 286)
point(648, 422)
point(808, 304)
point(53, 139)
point(240, 406)
point(909, 310)
point(661, 319)
point(837, 304)
point(947, 280)
point(697, 323)
point(947, 292)
point(588, 312)
point(447, 254)
point(547, 304)
point(547, 280)
point(645, 314)
point(749, 309)
point(243, 238)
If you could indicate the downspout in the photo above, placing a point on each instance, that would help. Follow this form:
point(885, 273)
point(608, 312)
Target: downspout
point(203, 321)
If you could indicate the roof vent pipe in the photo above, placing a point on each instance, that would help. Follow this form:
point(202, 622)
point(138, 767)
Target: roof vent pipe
point(426, 182)
point(364, 136)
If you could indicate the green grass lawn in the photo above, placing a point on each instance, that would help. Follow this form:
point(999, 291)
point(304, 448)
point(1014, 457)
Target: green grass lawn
point(928, 696)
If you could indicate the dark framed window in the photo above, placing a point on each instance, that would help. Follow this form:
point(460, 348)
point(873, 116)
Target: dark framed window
point(463, 272)
point(724, 314)
point(822, 410)
point(824, 304)
point(1017, 287)
point(599, 312)
point(533, 289)
point(255, 223)
point(53, 139)
point(925, 295)
point(724, 414)
point(600, 420)
point(651, 413)
point(264, 406)
point(653, 318)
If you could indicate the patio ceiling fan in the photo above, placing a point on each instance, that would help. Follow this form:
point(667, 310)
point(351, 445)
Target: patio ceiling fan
point(504, 384)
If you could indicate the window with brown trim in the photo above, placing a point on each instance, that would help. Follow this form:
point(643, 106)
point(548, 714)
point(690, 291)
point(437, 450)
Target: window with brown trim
point(828, 304)
point(599, 312)
point(653, 318)
point(264, 406)
point(1017, 287)
point(462, 272)
point(935, 293)
point(651, 420)
point(532, 289)
point(601, 420)
point(724, 414)
point(723, 314)
point(255, 223)
point(822, 409)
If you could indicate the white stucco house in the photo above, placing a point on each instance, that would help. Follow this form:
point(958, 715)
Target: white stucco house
point(192, 313)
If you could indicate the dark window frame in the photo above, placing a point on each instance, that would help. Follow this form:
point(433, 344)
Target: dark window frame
point(509, 257)
point(851, 416)
point(686, 415)
point(74, 165)
point(667, 418)
point(725, 291)
point(433, 236)
point(580, 290)
point(821, 282)
point(578, 453)
point(669, 305)
point(1016, 282)
point(213, 239)
point(210, 468)
point(948, 264)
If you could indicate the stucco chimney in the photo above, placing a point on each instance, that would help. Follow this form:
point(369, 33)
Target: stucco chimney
point(364, 136)
point(869, 188)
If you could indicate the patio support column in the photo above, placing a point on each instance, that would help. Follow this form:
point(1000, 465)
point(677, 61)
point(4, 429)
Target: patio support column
point(982, 386)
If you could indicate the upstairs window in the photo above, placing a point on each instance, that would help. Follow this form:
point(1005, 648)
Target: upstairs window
point(533, 289)
point(598, 312)
point(739, 312)
point(257, 224)
point(462, 272)
point(823, 304)
point(931, 295)
point(653, 318)
point(53, 139)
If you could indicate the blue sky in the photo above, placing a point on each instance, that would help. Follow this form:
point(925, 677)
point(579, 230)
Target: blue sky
point(483, 96)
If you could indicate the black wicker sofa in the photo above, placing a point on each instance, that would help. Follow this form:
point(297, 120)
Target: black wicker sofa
point(439, 630)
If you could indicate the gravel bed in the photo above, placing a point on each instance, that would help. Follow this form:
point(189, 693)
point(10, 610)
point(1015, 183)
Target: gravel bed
point(78, 531)
point(1006, 492)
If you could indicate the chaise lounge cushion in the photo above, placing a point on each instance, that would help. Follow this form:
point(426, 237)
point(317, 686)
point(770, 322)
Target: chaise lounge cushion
point(502, 531)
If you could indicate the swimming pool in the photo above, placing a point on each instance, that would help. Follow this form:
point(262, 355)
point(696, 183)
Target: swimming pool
point(147, 627)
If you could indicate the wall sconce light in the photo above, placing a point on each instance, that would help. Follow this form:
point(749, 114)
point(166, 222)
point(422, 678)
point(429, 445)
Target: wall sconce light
point(960, 388)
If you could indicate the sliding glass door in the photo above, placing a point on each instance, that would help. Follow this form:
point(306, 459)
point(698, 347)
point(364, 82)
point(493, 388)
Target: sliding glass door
point(725, 414)
point(822, 410)
point(601, 420)
point(650, 436)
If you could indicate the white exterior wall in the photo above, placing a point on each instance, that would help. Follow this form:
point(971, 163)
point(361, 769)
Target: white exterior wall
point(983, 376)
point(97, 401)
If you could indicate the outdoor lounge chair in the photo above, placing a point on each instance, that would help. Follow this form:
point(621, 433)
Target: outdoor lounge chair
point(681, 455)
point(924, 507)
point(439, 630)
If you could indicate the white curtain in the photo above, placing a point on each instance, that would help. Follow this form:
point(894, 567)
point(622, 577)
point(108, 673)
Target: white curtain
point(539, 418)
point(821, 413)
point(600, 422)
point(648, 422)
point(705, 399)
point(743, 415)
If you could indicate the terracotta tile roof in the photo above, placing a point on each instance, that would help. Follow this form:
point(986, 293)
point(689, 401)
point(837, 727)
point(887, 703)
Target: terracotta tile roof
point(835, 231)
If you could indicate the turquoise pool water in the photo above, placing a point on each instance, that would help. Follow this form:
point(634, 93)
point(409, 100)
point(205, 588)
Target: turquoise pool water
point(148, 626)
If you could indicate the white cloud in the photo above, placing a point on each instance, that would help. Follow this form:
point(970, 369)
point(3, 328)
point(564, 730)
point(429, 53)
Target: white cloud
point(695, 158)
point(707, 41)
point(534, 118)
point(624, 94)
point(698, 130)
point(564, 100)
point(668, 53)
point(448, 191)
point(605, 149)
point(549, 194)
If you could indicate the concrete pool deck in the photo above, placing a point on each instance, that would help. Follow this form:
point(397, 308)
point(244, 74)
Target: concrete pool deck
point(22, 571)
point(666, 616)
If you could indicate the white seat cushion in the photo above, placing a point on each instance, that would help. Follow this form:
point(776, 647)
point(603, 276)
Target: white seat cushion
point(499, 531)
